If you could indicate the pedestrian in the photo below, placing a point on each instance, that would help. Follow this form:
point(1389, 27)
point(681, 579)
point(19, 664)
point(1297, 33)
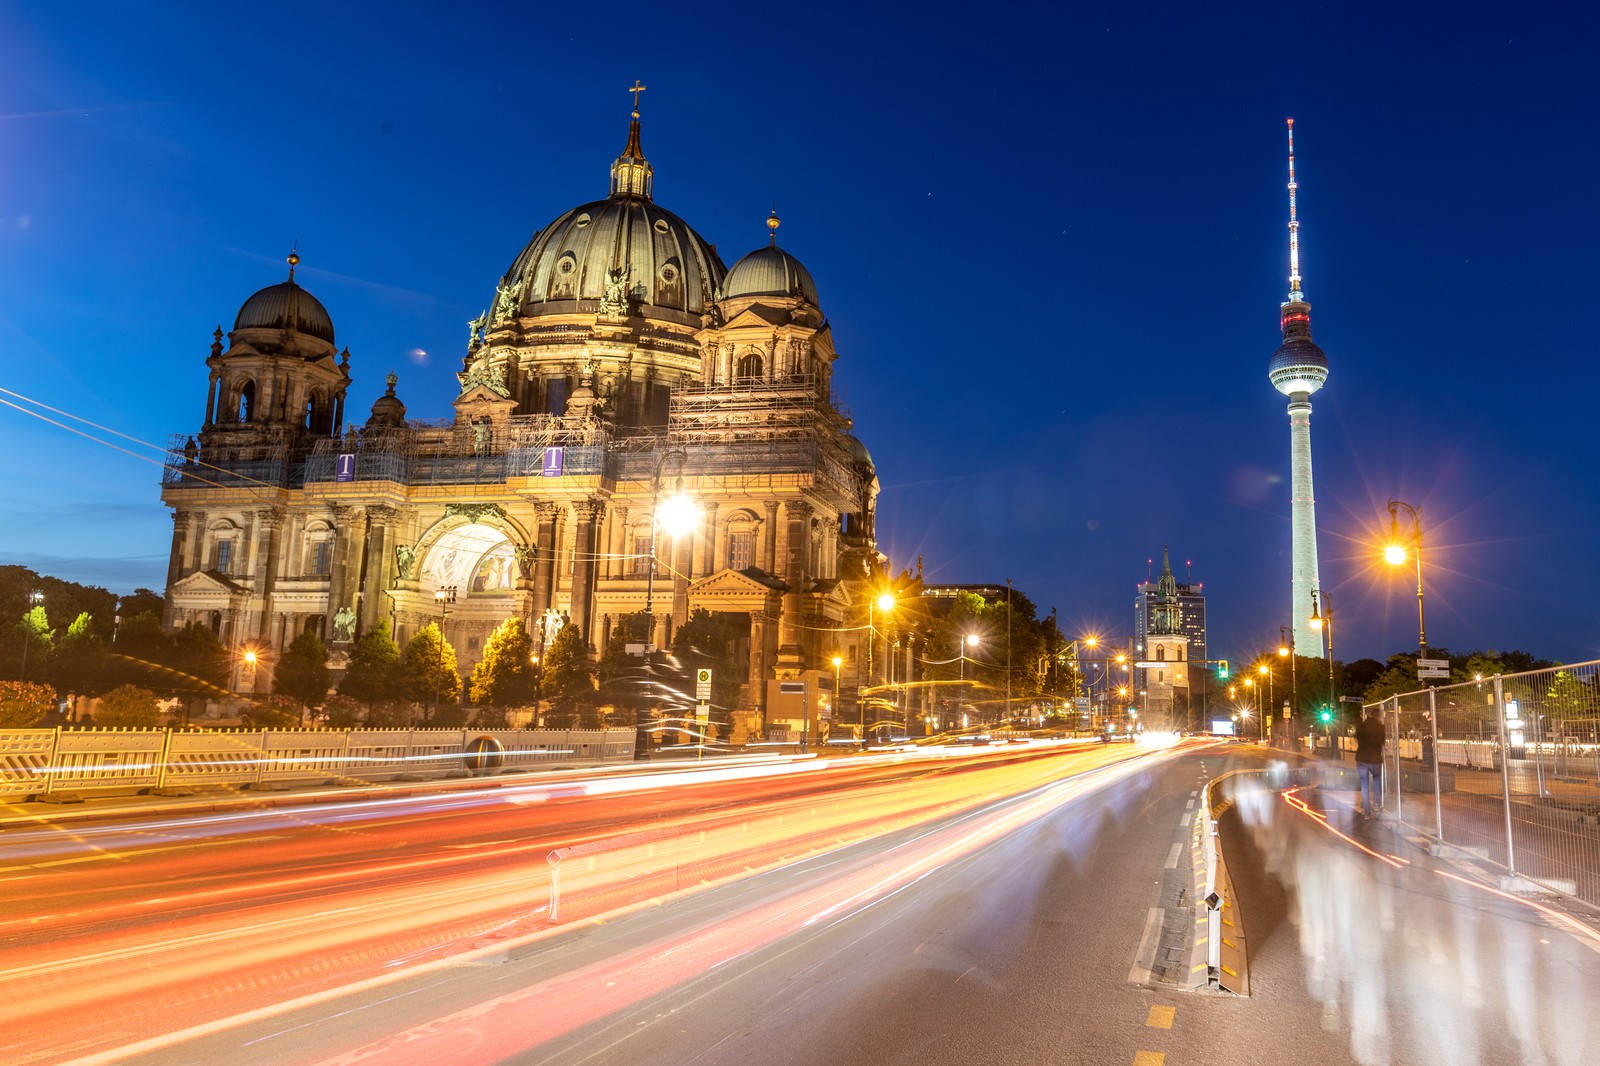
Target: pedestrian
point(1370, 736)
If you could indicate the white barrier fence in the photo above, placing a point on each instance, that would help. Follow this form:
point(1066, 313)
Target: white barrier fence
point(42, 762)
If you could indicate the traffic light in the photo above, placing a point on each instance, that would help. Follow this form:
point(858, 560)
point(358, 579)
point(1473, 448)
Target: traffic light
point(1327, 716)
point(1222, 669)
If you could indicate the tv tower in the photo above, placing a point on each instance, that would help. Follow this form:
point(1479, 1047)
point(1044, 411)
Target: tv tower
point(1298, 369)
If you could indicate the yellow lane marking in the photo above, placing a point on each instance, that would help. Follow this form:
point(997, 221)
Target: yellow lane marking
point(1148, 1058)
point(1161, 1017)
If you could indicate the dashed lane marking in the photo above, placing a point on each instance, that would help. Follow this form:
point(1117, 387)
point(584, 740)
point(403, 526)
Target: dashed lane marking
point(1148, 1058)
point(1172, 857)
point(1161, 1017)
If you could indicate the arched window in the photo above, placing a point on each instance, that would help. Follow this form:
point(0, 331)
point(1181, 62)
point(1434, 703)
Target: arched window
point(749, 367)
point(247, 402)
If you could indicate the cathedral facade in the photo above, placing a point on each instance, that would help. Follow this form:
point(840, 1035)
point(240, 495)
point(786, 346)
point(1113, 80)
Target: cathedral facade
point(620, 366)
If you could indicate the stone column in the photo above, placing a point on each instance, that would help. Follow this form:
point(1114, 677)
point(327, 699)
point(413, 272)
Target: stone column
point(544, 575)
point(587, 513)
point(270, 523)
point(376, 566)
point(769, 541)
point(796, 573)
point(181, 523)
point(347, 529)
point(705, 548)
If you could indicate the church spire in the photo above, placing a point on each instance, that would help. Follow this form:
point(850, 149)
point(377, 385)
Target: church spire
point(631, 174)
point(1168, 615)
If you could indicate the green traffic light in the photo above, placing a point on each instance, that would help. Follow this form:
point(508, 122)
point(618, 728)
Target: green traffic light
point(1327, 715)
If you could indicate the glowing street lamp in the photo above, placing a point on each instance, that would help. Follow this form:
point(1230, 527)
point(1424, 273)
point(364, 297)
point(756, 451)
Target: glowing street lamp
point(883, 603)
point(1395, 552)
point(676, 514)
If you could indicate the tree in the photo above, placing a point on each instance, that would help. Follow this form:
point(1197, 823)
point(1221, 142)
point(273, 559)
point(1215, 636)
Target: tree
point(274, 712)
point(303, 670)
point(201, 662)
point(428, 672)
point(23, 702)
point(504, 677)
point(129, 705)
point(568, 676)
point(711, 640)
point(374, 672)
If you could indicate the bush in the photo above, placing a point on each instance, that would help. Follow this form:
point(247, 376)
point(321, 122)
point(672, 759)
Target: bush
point(129, 705)
point(23, 702)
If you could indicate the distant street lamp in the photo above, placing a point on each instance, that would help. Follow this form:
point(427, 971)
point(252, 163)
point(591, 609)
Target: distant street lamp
point(443, 597)
point(1395, 554)
point(35, 598)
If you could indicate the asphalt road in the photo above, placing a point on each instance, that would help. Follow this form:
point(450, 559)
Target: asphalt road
point(1045, 926)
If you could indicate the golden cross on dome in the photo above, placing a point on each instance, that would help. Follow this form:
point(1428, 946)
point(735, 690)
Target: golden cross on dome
point(638, 87)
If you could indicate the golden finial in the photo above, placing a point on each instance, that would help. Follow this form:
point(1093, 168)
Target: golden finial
point(294, 259)
point(773, 223)
point(638, 87)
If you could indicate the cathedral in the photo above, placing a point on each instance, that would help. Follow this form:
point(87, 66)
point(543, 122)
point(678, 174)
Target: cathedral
point(621, 371)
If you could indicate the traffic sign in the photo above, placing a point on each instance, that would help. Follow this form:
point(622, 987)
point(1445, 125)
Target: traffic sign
point(1433, 664)
point(702, 685)
point(1432, 672)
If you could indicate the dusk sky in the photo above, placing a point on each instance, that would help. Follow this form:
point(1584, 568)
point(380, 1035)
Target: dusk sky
point(1051, 241)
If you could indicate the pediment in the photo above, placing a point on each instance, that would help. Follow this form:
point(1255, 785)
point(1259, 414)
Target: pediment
point(206, 583)
point(758, 316)
point(734, 585)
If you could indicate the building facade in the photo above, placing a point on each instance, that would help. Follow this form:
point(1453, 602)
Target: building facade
point(620, 364)
point(1166, 668)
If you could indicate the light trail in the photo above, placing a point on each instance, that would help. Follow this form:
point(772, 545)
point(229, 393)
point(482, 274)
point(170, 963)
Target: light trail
point(220, 932)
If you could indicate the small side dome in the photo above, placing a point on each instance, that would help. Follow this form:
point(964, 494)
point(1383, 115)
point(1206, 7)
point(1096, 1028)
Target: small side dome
point(858, 451)
point(387, 410)
point(770, 271)
point(286, 306)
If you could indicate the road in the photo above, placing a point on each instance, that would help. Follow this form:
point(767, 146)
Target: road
point(1039, 918)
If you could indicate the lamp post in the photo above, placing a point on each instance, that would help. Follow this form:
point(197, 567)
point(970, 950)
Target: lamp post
point(1286, 651)
point(884, 602)
point(838, 662)
point(677, 514)
point(968, 641)
point(35, 598)
point(1395, 554)
point(1322, 619)
point(443, 597)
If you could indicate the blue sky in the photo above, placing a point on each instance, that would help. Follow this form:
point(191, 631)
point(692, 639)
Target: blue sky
point(1051, 243)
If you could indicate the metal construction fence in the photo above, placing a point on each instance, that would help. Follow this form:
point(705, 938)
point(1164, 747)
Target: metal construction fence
point(40, 763)
point(1507, 768)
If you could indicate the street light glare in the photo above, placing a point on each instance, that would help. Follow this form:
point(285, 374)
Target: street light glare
point(677, 514)
point(885, 602)
point(1394, 554)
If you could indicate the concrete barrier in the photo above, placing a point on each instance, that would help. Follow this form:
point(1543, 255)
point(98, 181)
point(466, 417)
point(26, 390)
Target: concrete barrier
point(99, 759)
point(25, 759)
point(42, 762)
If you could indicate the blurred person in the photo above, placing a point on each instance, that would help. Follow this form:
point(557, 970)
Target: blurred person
point(1370, 738)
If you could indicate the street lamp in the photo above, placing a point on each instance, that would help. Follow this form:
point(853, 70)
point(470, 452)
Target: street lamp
point(443, 597)
point(35, 598)
point(1395, 554)
point(677, 515)
point(838, 661)
point(968, 641)
point(884, 602)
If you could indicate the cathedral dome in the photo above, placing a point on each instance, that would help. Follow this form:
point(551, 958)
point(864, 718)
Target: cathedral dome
point(666, 264)
point(286, 306)
point(661, 263)
point(770, 271)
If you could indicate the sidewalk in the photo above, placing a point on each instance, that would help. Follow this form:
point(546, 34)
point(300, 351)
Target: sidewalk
point(1546, 840)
